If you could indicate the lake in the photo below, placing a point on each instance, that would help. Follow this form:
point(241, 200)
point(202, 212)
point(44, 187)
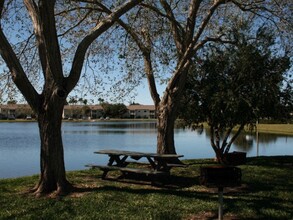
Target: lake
point(20, 144)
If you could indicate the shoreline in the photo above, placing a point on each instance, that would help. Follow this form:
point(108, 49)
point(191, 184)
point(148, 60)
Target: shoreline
point(280, 129)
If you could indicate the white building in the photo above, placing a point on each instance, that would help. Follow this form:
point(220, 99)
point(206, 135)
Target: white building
point(12, 111)
point(141, 111)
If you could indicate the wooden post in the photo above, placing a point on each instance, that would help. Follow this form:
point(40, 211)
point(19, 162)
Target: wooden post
point(257, 139)
point(220, 213)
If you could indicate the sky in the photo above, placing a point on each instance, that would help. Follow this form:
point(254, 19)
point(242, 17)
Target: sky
point(143, 94)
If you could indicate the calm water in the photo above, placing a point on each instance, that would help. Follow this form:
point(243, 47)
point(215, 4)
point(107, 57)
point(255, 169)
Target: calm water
point(20, 153)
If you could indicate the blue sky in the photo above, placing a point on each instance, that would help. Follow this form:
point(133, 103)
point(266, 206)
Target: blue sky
point(143, 94)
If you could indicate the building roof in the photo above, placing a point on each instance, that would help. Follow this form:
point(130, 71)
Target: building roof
point(92, 107)
point(141, 107)
point(15, 106)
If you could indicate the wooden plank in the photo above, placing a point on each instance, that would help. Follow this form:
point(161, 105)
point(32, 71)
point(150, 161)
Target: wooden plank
point(120, 153)
point(142, 171)
point(102, 167)
point(176, 165)
point(136, 154)
point(145, 163)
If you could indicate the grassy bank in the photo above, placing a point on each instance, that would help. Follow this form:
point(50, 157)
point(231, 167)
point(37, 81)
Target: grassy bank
point(286, 129)
point(282, 129)
point(266, 193)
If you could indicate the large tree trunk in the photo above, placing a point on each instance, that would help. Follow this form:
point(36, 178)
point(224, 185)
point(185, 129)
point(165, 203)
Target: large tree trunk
point(165, 126)
point(53, 176)
point(167, 112)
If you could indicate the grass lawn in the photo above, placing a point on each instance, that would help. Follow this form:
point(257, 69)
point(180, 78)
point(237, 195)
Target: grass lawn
point(266, 193)
point(276, 128)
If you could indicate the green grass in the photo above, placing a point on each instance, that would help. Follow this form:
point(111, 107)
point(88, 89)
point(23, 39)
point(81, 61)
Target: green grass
point(276, 128)
point(266, 193)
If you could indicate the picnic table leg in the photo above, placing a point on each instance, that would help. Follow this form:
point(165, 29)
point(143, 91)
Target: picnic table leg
point(119, 163)
point(104, 174)
point(162, 165)
point(122, 162)
point(112, 159)
point(153, 164)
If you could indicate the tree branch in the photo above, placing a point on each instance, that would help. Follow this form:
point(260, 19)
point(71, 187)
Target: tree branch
point(206, 20)
point(157, 11)
point(18, 75)
point(191, 20)
point(1, 8)
point(176, 28)
point(101, 27)
point(224, 142)
point(146, 51)
point(256, 7)
point(212, 139)
point(50, 38)
point(191, 49)
point(234, 138)
point(33, 11)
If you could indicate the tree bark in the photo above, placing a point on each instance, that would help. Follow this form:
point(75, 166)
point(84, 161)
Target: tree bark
point(165, 126)
point(53, 175)
point(167, 112)
point(167, 109)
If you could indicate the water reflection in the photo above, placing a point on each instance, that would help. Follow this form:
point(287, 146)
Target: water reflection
point(256, 144)
point(19, 142)
point(244, 142)
point(110, 128)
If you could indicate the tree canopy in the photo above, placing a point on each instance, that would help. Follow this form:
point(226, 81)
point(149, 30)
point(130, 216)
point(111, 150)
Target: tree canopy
point(44, 45)
point(178, 32)
point(237, 84)
point(114, 110)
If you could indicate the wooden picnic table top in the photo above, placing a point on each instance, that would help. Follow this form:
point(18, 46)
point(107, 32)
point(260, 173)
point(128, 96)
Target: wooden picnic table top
point(159, 164)
point(137, 154)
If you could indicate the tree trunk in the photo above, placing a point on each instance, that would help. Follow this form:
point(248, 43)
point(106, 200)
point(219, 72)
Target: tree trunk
point(220, 156)
point(167, 112)
point(53, 176)
point(165, 125)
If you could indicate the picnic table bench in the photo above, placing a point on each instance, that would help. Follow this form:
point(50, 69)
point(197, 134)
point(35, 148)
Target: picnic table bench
point(158, 164)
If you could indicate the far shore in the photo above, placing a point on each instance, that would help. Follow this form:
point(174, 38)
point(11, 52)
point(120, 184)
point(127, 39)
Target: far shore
point(282, 129)
point(286, 129)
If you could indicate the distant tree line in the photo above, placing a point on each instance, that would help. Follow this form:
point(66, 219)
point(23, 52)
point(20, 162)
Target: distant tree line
point(109, 110)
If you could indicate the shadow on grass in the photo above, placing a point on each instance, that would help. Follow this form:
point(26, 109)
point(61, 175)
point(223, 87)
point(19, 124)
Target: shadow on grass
point(279, 161)
point(170, 182)
point(267, 191)
point(258, 207)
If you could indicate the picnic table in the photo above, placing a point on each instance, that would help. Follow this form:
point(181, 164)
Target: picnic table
point(158, 164)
